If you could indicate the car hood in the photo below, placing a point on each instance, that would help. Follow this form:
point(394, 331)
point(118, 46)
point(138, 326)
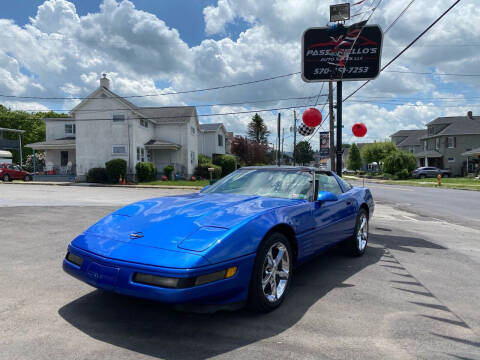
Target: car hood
point(165, 222)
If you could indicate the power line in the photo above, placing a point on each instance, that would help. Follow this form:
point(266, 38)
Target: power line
point(398, 17)
point(406, 48)
point(152, 95)
point(430, 73)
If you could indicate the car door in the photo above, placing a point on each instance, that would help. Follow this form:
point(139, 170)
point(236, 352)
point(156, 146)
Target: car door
point(349, 217)
point(328, 215)
point(11, 171)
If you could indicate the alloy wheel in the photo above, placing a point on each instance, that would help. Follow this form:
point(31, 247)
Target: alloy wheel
point(362, 233)
point(276, 272)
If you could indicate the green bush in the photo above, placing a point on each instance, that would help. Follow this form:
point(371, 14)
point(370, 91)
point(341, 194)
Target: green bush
point(202, 171)
point(167, 171)
point(398, 161)
point(204, 159)
point(116, 168)
point(146, 171)
point(97, 175)
point(228, 163)
point(403, 174)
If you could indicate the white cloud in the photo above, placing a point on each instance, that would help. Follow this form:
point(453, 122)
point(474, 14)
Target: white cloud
point(60, 53)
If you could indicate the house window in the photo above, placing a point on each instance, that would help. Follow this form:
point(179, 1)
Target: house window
point(140, 154)
point(451, 159)
point(431, 130)
point(220, 140)
point(149, 155)
point(437, 143)
point(451, 142)
point(193, 130)
point(192, 157)
point(119, 149)
point(70, 129)
point(144, 123)
point(117, 118)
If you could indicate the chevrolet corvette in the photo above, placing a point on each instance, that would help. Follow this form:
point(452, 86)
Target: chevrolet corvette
point(235, 242)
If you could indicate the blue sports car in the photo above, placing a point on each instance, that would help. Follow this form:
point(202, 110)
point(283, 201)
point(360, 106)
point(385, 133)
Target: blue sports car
point(236, 242)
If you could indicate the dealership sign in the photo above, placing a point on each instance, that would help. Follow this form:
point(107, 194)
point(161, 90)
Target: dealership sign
point(324, 144)
point(341, 53)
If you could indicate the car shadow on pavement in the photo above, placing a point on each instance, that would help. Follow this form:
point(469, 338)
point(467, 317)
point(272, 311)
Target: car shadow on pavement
point(404, 243)
point(157, 330)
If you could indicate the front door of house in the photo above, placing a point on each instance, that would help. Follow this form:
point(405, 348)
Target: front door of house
point(63, 158)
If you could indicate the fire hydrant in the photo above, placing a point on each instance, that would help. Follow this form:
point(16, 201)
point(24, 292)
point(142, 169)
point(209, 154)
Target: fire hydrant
point(439, 179)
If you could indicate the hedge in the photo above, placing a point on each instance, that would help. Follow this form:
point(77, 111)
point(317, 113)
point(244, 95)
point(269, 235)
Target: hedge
point(204, 159)
point(116, 168)
point(97, 175)
point(228, 163)
point(146, 171)
point(202, 171)
point(167, 171)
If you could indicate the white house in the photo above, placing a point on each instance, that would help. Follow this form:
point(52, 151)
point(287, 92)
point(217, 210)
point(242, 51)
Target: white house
point(105, 126)
point(212, 139)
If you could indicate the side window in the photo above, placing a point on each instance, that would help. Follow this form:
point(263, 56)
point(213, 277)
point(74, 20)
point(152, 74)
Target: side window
point(327, 183)
point(347, 186)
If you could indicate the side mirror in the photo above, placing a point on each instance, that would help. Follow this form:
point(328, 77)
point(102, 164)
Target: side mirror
point(205, 188)
point(326, 196)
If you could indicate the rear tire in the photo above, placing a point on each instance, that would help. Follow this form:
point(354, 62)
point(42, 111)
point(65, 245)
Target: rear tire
point(357, 243)
point(6, 178)
point(422, 176)
point(271, 274)
point(27, 178)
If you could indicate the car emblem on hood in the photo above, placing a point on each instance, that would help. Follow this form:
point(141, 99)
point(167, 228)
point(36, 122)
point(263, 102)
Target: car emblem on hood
point(136, 235)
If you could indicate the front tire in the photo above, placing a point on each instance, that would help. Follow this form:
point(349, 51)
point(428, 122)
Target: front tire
point(357, 244)
point(272, 274)
point(6, 178)
point(27, 178)
point(422, 176)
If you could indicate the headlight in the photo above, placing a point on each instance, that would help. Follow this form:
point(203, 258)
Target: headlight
point(77, 260)
point(181, 283)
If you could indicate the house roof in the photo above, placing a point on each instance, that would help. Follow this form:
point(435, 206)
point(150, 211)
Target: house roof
point(158, 115)
point(473, 152)
point(161, 145)
point(412, 137)
point(64, 143)
point(428, 153)
point(211, 127)
point(456, 125)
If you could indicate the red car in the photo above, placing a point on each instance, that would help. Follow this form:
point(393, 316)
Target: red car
point(9, 172)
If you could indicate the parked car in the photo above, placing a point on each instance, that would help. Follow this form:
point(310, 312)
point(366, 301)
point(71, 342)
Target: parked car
point(235, 242)
point(9, 172)
point(429, 171)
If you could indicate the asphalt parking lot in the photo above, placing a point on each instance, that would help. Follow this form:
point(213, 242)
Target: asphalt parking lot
point(414, 295)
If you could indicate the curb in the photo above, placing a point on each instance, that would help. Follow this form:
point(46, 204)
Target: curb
point(108, 185)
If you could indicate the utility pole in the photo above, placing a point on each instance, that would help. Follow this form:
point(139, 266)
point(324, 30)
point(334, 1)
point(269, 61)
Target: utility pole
point(339, 128)
point(331, 118)
point(278, 140)
point(294, 134)
point(283, 138)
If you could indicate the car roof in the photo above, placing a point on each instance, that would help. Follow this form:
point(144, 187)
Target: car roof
point(286, 167)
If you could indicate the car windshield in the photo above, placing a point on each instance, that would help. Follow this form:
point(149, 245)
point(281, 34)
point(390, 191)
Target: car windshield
point(288, 184)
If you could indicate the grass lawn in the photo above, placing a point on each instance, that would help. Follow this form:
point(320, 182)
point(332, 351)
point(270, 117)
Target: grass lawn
point(200, 183)
point(449, 183)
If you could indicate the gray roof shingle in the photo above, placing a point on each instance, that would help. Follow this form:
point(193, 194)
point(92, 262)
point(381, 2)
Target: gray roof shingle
point(456, 125)
point(412, 137)
point(210, 127)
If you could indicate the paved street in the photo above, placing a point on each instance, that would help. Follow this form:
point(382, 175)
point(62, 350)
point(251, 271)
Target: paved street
point(458, 206)
point(413, 295)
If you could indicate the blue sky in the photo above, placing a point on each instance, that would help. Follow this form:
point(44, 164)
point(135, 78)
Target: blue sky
point(60, 48)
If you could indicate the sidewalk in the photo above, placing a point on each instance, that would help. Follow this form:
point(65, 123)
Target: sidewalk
point(66, 183)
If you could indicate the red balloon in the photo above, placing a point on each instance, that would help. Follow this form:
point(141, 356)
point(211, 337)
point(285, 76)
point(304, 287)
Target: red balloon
point(312, 117)
point(359, 129)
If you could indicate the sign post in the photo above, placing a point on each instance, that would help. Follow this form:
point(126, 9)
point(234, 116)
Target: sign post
point(340, 54)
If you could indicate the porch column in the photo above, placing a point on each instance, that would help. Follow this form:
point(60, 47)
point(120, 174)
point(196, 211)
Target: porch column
point(20, 148)
point(34, 163)
point(426, 161)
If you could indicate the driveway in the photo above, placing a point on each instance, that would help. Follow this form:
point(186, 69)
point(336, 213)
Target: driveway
point(413, 295)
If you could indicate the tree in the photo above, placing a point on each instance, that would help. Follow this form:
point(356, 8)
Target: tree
point(303, 153)
point(257, 130)
point(354, 161)
point(249, 152)
point(378, 151)
point(400, 163)
point(30, 122)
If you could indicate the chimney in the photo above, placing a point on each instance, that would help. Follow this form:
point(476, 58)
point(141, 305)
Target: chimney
point(470, 115)
point(104, 82)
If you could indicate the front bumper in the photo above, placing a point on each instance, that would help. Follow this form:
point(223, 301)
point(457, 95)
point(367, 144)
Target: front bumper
point(117, 276)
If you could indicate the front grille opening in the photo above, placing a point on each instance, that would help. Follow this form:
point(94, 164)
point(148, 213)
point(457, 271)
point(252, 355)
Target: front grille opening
point(74, 259)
